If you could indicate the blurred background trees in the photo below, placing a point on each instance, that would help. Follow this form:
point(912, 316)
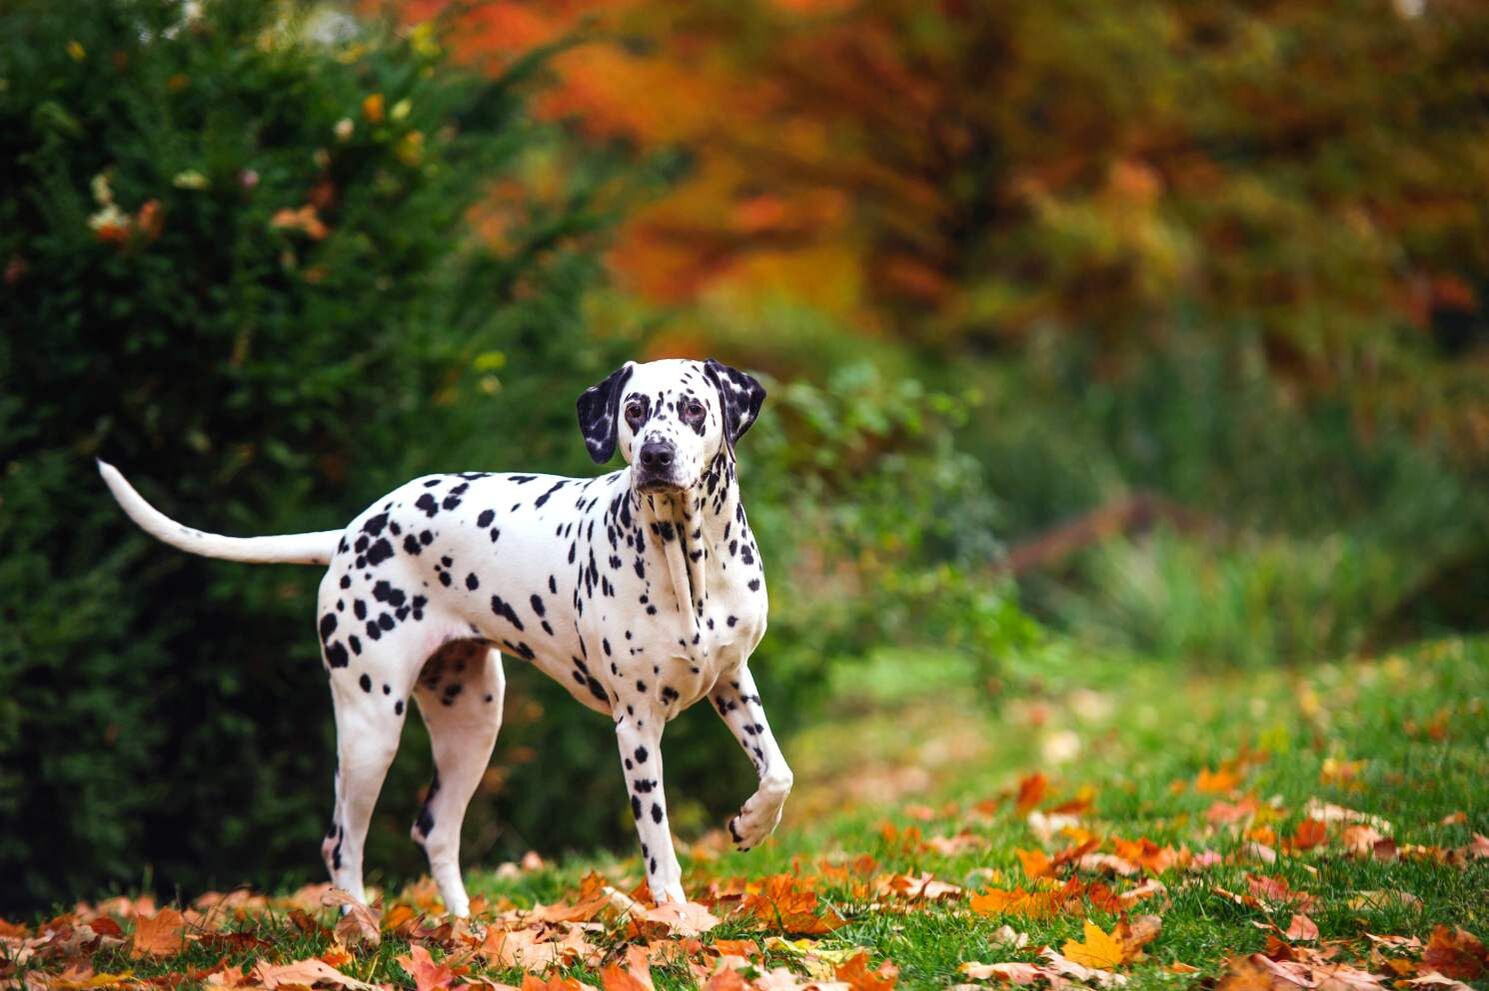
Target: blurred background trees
point(1007, 266)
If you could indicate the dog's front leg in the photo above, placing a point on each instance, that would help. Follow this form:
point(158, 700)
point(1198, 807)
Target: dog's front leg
point(640, 742)
point(738, 702)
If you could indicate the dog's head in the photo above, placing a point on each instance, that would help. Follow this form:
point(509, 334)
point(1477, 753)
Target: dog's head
point(669, 418)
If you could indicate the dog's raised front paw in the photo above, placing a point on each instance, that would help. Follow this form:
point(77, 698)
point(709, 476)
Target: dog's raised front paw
point(756, 821)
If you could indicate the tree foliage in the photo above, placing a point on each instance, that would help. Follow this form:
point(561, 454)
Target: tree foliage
point(973, 177)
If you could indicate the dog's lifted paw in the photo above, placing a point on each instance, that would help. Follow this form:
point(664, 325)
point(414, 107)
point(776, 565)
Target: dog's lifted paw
point(754, 824)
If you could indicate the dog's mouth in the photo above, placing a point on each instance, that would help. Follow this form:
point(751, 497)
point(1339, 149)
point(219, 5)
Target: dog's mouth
point(658, 483)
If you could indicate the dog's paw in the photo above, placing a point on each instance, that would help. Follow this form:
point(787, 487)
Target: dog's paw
point(755, 822)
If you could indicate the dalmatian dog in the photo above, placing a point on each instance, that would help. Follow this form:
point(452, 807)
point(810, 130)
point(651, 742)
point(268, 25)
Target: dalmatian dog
point(640, 591)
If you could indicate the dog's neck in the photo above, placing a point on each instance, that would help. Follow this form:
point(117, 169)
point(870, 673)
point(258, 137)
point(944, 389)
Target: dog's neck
point(688, 533)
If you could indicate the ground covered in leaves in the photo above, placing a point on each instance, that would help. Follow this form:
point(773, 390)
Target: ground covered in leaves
point(1118, 826)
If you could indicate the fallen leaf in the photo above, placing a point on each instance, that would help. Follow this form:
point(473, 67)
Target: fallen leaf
point(305, 973)
point(1081, 972)
point(1435, 980)
point(616, 978)
point(1309, 834)
point(1099, 951)
point(358, 923)
point(427, 975)
point(1148, 889)
point(1301, 928)
point(1036, 863)
point(1136, 933)
point(1009, 938)
point(1455, 953)
point(1031, 792)
point(1328, 812)
point(160, 935)
point(682, 919)
point(856, 974)
point(1220, 781)
point(1013, 972)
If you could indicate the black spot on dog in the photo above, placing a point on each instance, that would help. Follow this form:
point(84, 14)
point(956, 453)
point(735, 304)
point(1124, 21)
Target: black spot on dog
point(484, 520)
point(472, 582)
point(336, 655)
point(537, 604)
point(641, 755)
point(328, 625)
point(365, 682)
point(426, 502)
point(379, 552)
point(656, 812)
point(503, 609)
point(385, 592)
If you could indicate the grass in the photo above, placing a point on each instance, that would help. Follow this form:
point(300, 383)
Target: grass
point(911, 756)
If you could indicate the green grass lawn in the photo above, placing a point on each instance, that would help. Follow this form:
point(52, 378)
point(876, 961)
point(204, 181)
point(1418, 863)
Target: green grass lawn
point(917, 774)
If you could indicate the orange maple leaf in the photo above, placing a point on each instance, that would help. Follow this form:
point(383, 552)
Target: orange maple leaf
point(856, 974)
point(160, 935)
point(427, 975)
point(1031, 792)
point(1036, 863)
point(1310, 833)
point(614, 977)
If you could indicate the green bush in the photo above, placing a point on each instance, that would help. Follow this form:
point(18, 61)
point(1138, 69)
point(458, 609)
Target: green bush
point(236, 262)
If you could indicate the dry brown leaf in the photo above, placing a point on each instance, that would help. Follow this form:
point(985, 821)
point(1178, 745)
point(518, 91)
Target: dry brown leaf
point(228, 977)
point(359, 923)
point(682, 919)
point(856, 974)
point(306, 973)
point(1301, 928)
point(922, 887)
point(1435, 981)
point(1013, 972)
point(1106, 863)
point(1455, 953)
point(427, 975)
point(1137, 933)
point(160, 935)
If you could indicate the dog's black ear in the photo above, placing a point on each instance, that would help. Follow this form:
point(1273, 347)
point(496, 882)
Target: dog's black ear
point(740, 395)
point(598, 413)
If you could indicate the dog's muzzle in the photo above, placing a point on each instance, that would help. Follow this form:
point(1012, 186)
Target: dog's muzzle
point(655, 467)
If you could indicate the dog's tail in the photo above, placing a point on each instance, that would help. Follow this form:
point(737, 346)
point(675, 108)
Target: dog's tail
point(291, 548)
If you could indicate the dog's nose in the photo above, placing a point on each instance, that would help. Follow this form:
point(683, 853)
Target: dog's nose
point(656, 454)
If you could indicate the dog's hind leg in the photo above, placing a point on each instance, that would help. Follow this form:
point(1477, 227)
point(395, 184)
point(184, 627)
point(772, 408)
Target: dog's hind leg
point(369, 721)
point(460, 697)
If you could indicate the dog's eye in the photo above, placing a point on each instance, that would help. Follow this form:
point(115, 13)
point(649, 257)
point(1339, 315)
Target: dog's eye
point(694, 411)
point(633, 411)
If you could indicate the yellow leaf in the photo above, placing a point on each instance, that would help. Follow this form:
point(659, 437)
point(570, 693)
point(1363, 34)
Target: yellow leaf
point(1099, 951)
